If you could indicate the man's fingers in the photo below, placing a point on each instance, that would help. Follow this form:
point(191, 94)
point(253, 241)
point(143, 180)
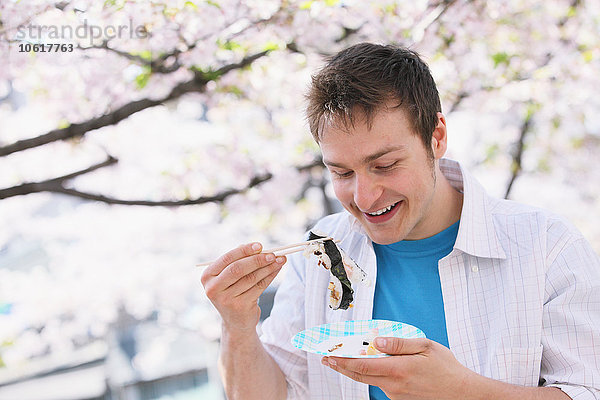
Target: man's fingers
point(240, 269)
point(360, 370)
point(239, 272)
point(359, 366)
point(232, 256)
point(398, 346)
point(256, 290)
point(255, 278)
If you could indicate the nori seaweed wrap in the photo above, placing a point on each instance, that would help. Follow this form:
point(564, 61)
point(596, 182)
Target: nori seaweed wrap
point(337, 269)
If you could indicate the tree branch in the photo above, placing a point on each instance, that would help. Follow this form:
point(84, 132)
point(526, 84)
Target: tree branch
point(80, 129)
point(330, 205)
point(516, 165)
point(460, 96)
point(57, 185)
point(317, 162)
point(220, 197)
point(243, 63)
point(197, 84)
point(157, 65)
point(51, 185)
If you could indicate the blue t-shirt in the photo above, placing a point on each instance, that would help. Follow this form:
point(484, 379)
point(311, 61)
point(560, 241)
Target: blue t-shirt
point(408, 286)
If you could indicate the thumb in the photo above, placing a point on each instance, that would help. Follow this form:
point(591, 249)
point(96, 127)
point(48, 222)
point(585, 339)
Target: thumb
point(399, 346)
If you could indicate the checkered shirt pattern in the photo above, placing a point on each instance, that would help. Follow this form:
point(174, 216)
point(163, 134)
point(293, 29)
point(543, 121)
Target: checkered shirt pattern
point(521, 292)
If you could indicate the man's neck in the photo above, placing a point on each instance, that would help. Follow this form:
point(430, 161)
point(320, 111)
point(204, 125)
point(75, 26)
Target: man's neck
point(451, 201)
point(443, 210)
point(448, 202)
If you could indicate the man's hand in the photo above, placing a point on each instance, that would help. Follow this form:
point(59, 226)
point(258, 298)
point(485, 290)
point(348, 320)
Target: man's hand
point(418, 368)
point(235, 281)
point(424, 369)
point(233, 284)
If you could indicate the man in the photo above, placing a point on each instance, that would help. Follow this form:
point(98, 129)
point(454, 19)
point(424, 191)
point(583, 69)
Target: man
point(508, 295)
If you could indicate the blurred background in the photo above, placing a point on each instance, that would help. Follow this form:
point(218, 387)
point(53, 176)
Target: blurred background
point(138, 138)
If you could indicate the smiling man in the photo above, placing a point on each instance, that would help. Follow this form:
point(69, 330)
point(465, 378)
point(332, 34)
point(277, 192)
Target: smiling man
point(387, 179)
point(508, 295)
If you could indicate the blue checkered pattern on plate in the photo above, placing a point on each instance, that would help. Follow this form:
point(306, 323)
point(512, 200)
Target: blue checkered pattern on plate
point(309, 339)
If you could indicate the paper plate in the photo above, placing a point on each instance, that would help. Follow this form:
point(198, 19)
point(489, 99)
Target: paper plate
point(351, 334)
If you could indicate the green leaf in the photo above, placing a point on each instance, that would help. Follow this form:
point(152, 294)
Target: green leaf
point(228, 45)
point(500, 58)
point(390, 9)
point(170, 11)
point(532, 108)
point(271, 46)
point(142, 79)
point(213, 3)
point(556, 121)
point(577, 142)
point(233, 89)
point(208, 75)
point(306, 5)
point(145, 54)
point(448, 39)
point(331, 3)
point(191, 5)
point(544, 165)
point(114, 3)
point(492, 152)
point(63, 124)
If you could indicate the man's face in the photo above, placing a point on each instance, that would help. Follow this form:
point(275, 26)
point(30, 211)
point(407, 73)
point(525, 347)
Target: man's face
point(383, 176)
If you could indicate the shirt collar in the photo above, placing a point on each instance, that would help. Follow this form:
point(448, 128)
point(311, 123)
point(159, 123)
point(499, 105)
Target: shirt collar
point(476, 231)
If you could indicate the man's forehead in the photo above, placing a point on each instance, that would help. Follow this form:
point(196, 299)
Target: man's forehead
point(358, 117)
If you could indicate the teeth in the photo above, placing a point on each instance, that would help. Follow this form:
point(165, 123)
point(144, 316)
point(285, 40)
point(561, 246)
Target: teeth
point(383, 210)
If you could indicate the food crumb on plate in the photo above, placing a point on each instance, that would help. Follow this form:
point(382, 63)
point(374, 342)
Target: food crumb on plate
point(335, 347)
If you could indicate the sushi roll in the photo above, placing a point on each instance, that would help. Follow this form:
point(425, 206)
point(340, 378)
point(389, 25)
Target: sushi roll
point(332, 258)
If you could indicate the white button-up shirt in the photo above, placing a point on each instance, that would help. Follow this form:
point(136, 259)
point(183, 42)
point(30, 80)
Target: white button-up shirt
point(521, 292)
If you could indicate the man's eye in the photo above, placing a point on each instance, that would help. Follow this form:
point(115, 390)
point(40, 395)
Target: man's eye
point(342, 174)
point(386, 167)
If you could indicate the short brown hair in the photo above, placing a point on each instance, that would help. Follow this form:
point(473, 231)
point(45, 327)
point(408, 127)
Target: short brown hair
point(359, 80)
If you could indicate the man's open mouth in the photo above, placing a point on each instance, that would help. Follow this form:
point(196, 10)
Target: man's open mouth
point(383, 210)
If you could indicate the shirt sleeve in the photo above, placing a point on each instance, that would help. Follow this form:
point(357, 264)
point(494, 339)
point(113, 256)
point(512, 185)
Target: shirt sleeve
point(287, 319)
point(571, 317)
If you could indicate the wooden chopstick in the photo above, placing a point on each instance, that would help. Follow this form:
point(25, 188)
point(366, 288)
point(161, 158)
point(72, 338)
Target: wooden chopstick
point(293, 249)
point(290, 248)
point(301, 244)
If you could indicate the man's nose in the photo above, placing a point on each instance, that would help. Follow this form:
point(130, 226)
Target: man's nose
point(366, 192)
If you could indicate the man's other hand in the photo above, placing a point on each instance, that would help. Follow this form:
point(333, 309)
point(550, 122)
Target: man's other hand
point(417, 369)
point(235, 281)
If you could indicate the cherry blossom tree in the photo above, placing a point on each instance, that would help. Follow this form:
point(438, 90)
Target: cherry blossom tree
point(173, 103)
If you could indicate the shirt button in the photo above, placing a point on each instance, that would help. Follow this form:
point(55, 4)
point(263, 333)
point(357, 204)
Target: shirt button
point(474, 268)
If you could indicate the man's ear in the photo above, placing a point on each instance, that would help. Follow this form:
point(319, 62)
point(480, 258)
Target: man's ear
point(439, 138)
